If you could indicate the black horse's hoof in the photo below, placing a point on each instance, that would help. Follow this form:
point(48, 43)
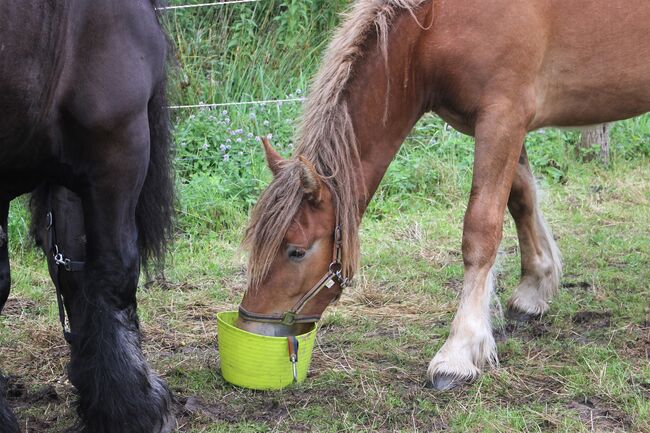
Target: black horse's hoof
point(446, 382)
point(8, 423)
point(516, 315)
point(169, 424)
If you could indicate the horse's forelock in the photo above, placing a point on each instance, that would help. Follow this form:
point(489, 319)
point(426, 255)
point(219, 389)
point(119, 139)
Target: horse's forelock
point(270, 220)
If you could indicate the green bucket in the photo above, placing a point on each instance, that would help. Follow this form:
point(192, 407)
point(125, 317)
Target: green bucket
point(257, 361)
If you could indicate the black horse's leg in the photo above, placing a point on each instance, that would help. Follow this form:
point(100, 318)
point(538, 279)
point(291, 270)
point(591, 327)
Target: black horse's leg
point(5, 279)
point(69, 232)
point(8, 422)
point(118, 392)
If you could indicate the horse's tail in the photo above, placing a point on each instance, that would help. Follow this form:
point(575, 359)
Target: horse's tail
point(155, 210)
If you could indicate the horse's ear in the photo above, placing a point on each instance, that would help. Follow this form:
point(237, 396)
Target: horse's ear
point(312, 184)
point(273, 159)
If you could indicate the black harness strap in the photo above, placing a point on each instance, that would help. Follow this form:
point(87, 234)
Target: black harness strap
point(61, 262)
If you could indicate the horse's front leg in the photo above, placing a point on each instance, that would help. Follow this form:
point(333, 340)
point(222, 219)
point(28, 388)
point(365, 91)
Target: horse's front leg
point(541, 264)
point(470, 345)
point(5, 277)
point(118, 392)
point(8, 422)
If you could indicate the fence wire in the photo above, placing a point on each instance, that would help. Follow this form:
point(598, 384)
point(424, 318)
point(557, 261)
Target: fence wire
point(201, 5)
point(230, 104)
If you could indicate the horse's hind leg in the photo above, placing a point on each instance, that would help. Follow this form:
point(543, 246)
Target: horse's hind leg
point(118, 392)
point(541, 264)
point(5, 278)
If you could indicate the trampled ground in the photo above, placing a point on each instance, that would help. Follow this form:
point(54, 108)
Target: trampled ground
point(584, 367)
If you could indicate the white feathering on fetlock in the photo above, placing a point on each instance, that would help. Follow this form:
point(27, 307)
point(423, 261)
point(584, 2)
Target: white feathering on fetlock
point(470, 346)
point(540, 283)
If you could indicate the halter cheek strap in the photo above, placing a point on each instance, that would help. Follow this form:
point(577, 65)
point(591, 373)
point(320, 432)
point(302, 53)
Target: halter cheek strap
point(333, 277)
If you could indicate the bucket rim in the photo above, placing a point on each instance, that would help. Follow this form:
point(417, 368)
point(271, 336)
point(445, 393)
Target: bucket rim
point(222, 322)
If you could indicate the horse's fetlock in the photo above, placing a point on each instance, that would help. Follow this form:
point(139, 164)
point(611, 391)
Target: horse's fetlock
point(112, 376)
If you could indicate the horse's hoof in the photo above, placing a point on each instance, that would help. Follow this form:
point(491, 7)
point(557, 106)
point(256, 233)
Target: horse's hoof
point(520, 316)
point(168, 424)
point(445, 382)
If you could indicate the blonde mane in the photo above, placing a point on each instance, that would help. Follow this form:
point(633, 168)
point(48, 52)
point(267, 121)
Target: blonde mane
point(326, 138)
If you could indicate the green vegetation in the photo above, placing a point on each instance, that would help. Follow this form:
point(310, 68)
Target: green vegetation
point(583, 367)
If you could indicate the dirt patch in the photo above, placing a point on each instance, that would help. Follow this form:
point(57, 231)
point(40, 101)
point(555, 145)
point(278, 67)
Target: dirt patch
point(637, 342)
point(196, 406)
point(242, 407)
point(598, 416)
point(19, 395)
point(23, 399)
point(589, 320)
point(577, 285)
point(18, 306)
point(526, 331)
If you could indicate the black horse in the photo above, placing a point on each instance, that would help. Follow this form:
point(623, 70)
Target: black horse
point(83, 123)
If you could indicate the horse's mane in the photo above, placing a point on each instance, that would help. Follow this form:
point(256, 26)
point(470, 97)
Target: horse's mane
point(327, 139)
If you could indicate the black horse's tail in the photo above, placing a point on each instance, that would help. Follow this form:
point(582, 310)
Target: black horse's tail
point(155, 209)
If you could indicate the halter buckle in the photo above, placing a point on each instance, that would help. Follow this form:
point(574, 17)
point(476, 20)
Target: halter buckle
point(338, 235)
point(61, 260)
point(289, 318)
point(343, 281)
point(335, 268)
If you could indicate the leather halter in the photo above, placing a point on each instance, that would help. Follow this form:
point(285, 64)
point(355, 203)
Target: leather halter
point(333, 276)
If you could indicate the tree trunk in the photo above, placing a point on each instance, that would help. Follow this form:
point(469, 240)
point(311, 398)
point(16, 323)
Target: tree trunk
point(595, 136)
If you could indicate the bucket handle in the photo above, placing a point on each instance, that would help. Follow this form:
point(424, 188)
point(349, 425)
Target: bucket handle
point(293, 356)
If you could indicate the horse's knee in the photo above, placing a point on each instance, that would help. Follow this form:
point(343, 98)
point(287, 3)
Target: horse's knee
point(521, 205)
point(114, 280)
point(481, 238)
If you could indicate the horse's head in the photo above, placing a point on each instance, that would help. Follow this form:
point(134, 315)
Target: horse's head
point(294, 265)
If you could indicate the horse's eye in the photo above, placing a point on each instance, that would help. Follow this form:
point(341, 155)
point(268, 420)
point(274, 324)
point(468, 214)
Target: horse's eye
point(296, 253)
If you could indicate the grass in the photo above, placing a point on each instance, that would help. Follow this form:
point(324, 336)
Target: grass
point(240, 52)
point(584, 367)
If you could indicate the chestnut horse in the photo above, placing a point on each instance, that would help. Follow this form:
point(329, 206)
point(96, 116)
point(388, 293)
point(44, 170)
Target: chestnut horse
point(493, 69)
point(83, 120)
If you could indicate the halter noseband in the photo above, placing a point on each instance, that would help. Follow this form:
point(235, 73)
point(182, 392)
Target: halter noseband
point(333, 276)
